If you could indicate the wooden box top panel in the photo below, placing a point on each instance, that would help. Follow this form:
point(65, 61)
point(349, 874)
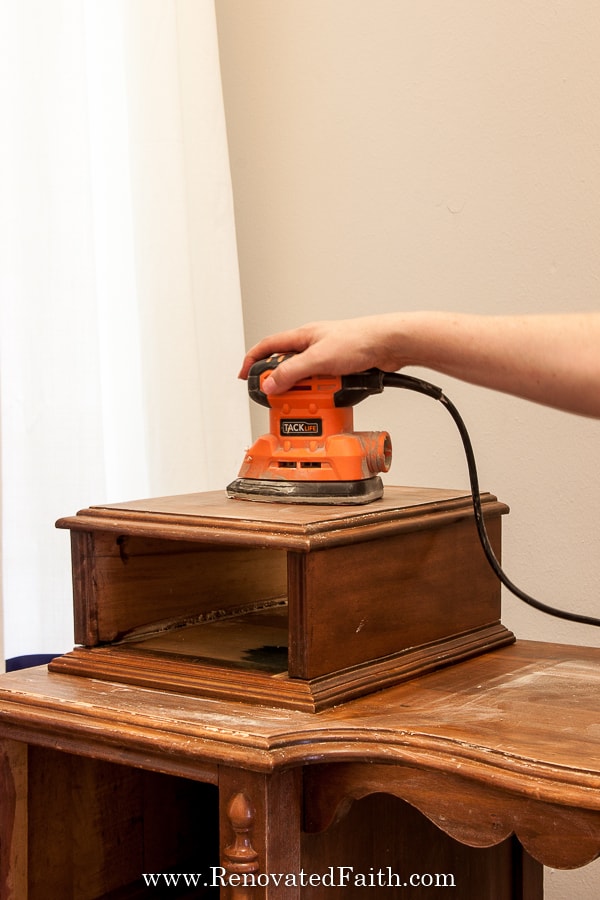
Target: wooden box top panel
point(215, 518)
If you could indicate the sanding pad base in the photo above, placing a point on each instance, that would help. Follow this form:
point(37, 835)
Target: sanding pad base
point(315, 492)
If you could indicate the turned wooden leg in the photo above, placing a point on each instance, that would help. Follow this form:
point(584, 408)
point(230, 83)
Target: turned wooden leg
point(260, 820)
point(240, 859)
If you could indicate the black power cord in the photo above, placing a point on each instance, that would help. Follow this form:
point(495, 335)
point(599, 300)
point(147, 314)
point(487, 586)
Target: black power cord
point(395, 379)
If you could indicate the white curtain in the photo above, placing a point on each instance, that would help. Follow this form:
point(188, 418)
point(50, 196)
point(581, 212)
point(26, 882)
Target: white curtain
point(121, 325)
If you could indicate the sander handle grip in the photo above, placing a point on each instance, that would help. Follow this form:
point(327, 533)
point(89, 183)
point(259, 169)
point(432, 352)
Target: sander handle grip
point(351, 388)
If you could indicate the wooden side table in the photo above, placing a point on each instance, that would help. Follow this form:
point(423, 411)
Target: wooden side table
point(103, 782)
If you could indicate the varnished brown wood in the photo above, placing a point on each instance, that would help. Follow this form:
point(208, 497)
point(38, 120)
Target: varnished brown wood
point(82, 828)
point(441, 799)
point(13, 819)
point(129, 664)
point(125, 584)
point(457, 770)
point(212, 518)
point(500, 744)
point(240, 859)
point(272, 808)
point(528, 875)
point(522, 718)
point(362, 601)
point(387, 840)
point(173, 591)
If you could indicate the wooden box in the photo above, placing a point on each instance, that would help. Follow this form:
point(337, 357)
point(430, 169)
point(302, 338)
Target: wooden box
point(285, 605)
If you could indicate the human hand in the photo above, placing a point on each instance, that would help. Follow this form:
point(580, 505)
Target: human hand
point(325, 348)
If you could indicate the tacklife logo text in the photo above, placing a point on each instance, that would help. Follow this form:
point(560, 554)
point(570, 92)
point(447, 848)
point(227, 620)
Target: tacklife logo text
point(301, 427)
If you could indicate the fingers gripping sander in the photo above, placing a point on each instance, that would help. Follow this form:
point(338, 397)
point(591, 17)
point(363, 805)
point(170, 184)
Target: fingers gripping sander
point(312, 453)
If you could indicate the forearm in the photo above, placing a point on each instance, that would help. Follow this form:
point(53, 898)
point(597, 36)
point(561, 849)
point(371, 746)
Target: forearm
point(554, 359)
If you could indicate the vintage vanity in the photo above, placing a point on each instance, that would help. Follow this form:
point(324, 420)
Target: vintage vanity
point(266, 690)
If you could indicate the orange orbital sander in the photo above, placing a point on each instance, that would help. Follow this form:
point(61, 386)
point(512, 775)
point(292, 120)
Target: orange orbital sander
point(312, 453)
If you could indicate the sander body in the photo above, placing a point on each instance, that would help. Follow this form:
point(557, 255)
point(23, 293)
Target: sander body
point(311, 453)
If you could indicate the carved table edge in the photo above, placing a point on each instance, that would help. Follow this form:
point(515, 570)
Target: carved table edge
point(190, 746)
point(365, 524)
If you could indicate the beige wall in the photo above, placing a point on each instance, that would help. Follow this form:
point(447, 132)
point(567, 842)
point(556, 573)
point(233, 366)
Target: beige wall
point(388, 155)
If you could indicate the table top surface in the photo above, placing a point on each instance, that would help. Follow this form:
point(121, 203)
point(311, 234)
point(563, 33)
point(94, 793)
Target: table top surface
point(526, 717)
point(213, 516)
